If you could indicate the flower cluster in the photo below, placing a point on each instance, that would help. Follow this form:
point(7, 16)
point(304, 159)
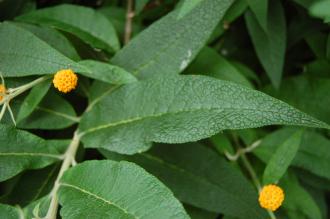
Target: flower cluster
point(271, 197)
point(2, 91)
point(65, 80)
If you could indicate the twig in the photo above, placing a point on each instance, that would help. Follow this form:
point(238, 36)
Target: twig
point(69, 156)
point(129, 18)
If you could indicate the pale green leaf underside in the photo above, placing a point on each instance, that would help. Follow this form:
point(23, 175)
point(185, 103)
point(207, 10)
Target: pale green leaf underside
point(199, 177)
point(181, 109)
point(169, 45)
point(86, 23)
point(21, 150)
point(115, 190)
point(106, 72)
point(22, 54)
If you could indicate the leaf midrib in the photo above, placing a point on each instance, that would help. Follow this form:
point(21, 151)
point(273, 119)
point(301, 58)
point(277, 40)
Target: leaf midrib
point(30, 154)
point(97, 197)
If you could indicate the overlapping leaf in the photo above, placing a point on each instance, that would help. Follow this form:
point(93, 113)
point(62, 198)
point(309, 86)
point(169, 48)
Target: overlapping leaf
point(22, 54)
point(21, 150)
point(170, 44)
point(115, 190)
point(86, 23)
point(214, 185)
point(180, 109)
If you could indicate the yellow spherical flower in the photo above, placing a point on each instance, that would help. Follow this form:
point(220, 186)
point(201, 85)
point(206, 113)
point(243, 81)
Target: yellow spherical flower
point(2, 91)
point(65, 80)
point(271, 197)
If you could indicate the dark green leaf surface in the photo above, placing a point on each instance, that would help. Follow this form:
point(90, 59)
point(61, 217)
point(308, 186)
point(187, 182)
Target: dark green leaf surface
point(86, 23)
point(106, 72)
point(209, 62)
point(22, 54)
point(9, 212)
point(298, 199)
point(310, 95)
point(260, 10)
point(170, 44)
point(201, 178)
point(313, 155)
point(116, 190)
point(180, 109)
point(270, 46)
point(54, 38)
point(32, 100)
point(282, 158)
point(21, 150)
point(54, 112)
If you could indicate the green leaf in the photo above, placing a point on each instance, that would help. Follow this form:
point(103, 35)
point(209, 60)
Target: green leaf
point(22, 54)
point(54, 112)
point(86, 23)
point(270, 46)
point(9, 212)
point(139, 5)
point(33, 99)
point(197, 213)
point(313, 154)
point(21, 150)
point(260, 10)
point(282, 158)
point(116, 190)
point(297, 198)
point(328, 47)
point(200, 177)
point(187, 6)
point(180, 109)
point(309, 94)
point(169, 45)
point(106, 72)
point(54, 38)
point(211, 63)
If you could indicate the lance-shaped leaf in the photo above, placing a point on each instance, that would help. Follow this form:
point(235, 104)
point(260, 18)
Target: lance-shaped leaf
point(270, 45)
point(33, 99)
point(106, 72)
point(91, 26)
point(170, 44)
point(180, 109)
point(22, 54)
point(199, 177)
point(115, 190)
point(282, 158)
point(22, 150)
point(9, 212)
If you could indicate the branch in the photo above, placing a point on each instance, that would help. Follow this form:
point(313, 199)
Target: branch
point(129, 18)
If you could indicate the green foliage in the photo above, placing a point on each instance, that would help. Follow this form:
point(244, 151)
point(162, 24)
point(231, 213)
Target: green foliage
point(83, 194)
point(134, 138)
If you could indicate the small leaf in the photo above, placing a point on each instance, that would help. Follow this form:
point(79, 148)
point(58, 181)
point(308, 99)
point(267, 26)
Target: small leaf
point(270, 46)
point(106, 72)
point(33, 99)
point(21, 150)
point(86, 23)
point(22, 54)
point(115, 190)
point(209, 62)
point(169, 45)
point(180, 109)
point(298, 199)
point(321, 9)
point(260, 10)
point(54, 112)
point(215, 185)
point(282, 158)
point(308, 158)
point(9, 212)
